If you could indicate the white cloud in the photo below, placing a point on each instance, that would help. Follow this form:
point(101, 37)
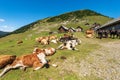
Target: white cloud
point(7, 28)
point(2, 20)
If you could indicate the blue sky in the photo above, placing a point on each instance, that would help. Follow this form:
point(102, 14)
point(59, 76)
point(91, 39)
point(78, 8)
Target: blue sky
point(17, 13)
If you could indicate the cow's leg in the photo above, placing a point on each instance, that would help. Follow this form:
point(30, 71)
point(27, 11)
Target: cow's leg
point(5, 70)
point(23, 68)
point(37, 65)
point(9, 67)
point(60, 47)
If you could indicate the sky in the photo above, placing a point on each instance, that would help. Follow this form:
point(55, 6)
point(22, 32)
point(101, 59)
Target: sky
point(17, 13)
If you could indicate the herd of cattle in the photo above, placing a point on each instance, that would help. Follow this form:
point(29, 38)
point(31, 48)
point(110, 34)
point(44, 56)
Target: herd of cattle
point(103, 33)
point(108, 33)
point(37, 59)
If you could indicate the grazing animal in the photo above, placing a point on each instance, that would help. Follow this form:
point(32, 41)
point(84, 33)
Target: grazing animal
point(36, 60)
point(47, 51)
point(70, 45)
point(19, 42)
point(52, 37)
point(113, 33)
point(46, 40)
point(50, 51)
point(43, 40)
point(6, 59)
point(67, 37)
point(118, 33)
point(100, 34)
point(90, 33)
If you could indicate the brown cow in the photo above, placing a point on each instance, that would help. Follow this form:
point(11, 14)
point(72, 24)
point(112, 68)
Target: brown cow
point(90, 33)
point(36, 60)
point(19, 42)
point(6, 59)
point(42, 40)
point(52, 37)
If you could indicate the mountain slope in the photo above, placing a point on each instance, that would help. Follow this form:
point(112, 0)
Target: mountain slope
point(2, 33)
point(71, 17)
point(75, 14)
point(67, 68)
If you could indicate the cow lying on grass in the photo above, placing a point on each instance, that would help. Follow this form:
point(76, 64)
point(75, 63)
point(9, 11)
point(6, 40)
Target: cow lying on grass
point(47, 51)
point(36, 60)
point(43, 40)
point(70, 45)
point(6, 59)
point(46, 40)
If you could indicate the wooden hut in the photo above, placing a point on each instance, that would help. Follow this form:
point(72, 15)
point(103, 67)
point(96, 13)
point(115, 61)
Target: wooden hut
point(113, 24)
point(62, 29)
point(71, 29)
point(79, 29)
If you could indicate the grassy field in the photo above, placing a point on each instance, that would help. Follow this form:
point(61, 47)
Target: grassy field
point(9, 46)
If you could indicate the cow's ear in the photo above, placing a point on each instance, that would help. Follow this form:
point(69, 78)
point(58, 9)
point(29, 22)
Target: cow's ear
point(35, 50)
point(43, 50)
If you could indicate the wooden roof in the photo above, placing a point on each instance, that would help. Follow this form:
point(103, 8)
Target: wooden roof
point(63, 27)
point(112, 22)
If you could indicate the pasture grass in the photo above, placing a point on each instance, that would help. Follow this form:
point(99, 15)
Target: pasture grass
point(8, 45)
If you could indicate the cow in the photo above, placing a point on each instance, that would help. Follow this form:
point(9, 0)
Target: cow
point(52, 37)
point(6, 59)
point(36, 60)
point(113, 33)
point(50, 51)
point(90, 33)
point(100, 34)
point(118, 33)
point(47, 51)
point(42, 40)
point(66, 37)
point(19, 42)
point(46, 40)
point(70, 45)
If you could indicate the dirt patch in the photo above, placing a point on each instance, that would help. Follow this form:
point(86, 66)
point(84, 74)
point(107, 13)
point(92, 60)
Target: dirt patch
point(103, 63)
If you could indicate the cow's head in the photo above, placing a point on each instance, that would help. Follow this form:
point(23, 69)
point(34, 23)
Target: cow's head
point(49, 51)
point(38, 51)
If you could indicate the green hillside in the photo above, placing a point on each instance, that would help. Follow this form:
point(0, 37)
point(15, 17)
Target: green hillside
point(2, 33)
point(71, 19)
point(28, 33)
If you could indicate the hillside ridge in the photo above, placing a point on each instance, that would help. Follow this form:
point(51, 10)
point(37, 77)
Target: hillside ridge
point(79, 14)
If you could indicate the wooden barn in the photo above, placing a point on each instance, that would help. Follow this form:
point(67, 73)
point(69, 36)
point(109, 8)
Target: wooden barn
point(71, 29)
point(79, 29)
point(112, 25)
point(62, 29)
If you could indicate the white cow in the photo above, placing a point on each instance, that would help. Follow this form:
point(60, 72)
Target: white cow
point(70, 45)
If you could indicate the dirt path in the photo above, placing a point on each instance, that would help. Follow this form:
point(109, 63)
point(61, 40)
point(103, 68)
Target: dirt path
point(103, 63)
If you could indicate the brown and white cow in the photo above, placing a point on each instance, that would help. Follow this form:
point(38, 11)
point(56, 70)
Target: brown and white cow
point(90, 33)
point(47, 39)
point(52, 37)
point(36, 60)
point(47, 51)
point(43, 40)
point(70, 45)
